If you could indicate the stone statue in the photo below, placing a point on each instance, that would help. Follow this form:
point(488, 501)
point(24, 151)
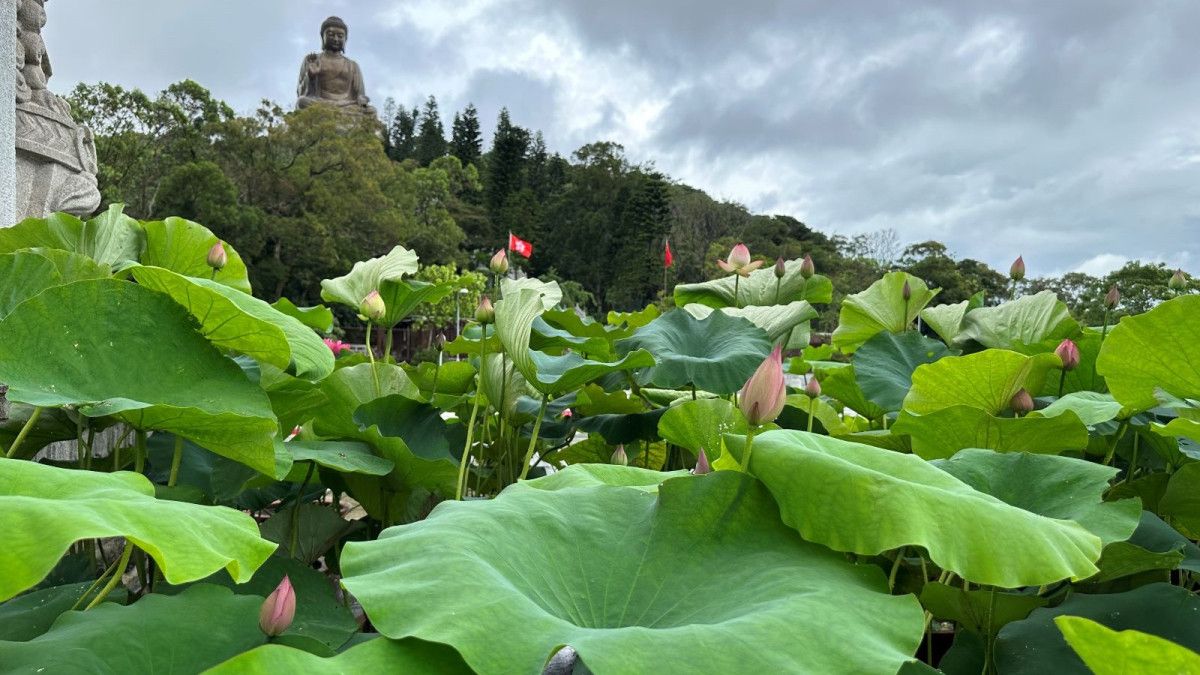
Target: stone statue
point(56, 158)
point(331, 77)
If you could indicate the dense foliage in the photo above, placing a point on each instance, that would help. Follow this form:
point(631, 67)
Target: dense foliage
point(1011, 490)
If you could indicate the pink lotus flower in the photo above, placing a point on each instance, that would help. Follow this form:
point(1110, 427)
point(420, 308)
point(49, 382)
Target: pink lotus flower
point(217, 256)
point(1068, 352)
point(278, 609)
point(761, 398)
point(336, 346)
point(567, 414)
point(373, 307)
point(702, 465)
point(739, 262)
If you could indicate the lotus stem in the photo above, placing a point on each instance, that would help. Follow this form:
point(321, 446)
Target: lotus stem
point(895, 569)
point(371, 358)
point(812, 404)
point(117, 573)
point(25, 429)
point(736, 279)
point(460, 485)
point(746, 454)
point(176, 458)
point(1133, 460)
point(990, 645)
point(537, 426)
point(139, 451)
point(296, 508)
point(1112, 446)
point(387, 346)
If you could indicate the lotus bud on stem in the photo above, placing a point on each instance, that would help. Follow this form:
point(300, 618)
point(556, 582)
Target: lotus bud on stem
point(485, 313)
point(702, 465)
point(1016, 272)
point(278, 609)
point(1022, 403)
point(1178, 281)
point(761, 399)
point(740, 265)
point(780, 271)
point(1111, 299)
point(217, 258)
point(1067, 352)
point(499, 263)
point(372, 309)
point(807, 268)
point(813, 391)
point(619, 457)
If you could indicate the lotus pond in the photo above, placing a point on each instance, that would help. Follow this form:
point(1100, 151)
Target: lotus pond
point(981, 487)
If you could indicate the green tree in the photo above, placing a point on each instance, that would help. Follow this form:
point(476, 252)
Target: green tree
point(431, 136)
point(466, 140)
point(505, 170)
point(402, 134)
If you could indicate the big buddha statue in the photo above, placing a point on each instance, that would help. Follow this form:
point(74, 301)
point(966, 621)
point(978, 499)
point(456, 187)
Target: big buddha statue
point(330, 77)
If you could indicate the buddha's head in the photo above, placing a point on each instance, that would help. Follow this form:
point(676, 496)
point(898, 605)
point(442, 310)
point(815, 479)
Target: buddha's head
point(333, 34)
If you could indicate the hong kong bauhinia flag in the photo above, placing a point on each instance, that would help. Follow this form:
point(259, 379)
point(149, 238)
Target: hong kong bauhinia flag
point(519, 245)
point(668, 259)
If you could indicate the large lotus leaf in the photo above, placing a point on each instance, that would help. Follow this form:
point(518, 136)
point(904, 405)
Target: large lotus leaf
point(944, 432)
point(163, 375)
point(777, 320)
point(1033, 646)
point(61, 231)
point(589, 475)
point(378, 655)
point(1155, 535)
point(1128, 652)
point(110, 238)
point(758, 289)
point(716, 354)
point(985, 380)
point(73, 266)
point(881, 307)
point(418, 423)
point(343, 456)
point(1156, 350)
point(23, 275)
point(515, 315)
point(402, 296)
point(864, 500)
point(1090, 407)
point(182, 246)
point(1181, 501)
point(503, 385)
point(1024, 321)
point(621, 322)
point(838, 382)
point(700, 425)
point(982, 611)
point(551, 294)
point(884, 365)
point(369, 275)
point(31, 614)
point(452, 377)
point(612, 572)
point(318, 318)
point(184, 633)
point(947, 320)
point(44, 509)
point(1056, 487)
point(593, 400)
point(624, 428)
point(546, 337)
point(242, 323)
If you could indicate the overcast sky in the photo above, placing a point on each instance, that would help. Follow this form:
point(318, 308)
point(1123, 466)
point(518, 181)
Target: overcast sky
point(1066, 130)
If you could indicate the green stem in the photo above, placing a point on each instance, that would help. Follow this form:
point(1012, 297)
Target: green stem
point(107, 571)
point(1133, 461)
point(296, 508)
point(895, 569)
point(112, 581)
point(387, 346)
point(736, 279)
point(16, 444)
point(460, 485)
point(989, 646)
point(812, 403)
point(1112, 446)
point(176, 458)
point(1062, 382)
point(777, 283)
point(139, 452)
point(436, 372)
point(746, 453)
point(371, 359)
point(537, 427)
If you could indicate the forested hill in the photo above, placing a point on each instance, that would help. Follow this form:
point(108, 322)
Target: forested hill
point(304, 195)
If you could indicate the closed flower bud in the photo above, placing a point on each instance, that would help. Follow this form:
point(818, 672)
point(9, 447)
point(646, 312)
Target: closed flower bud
point(1068, 352)
point(1021, 402)
point(217, 256)
point(278, 609)
point(1112, 297)
point(372, 307)
point(1017, 271)
point(815, 340)
point(762, 397)
point(702, 465)
point(739, 261)
point(499, 263)
point(813, 388)
point(485, 313)
point(1178, 281)
point(807, 269)
point(619, 457)
point(439, 342)
point(780, 268)
point(906, 291)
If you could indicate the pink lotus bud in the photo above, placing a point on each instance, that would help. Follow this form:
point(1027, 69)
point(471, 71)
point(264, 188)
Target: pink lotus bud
point(485, 313)
point(780, 268)
point(619, 457)
point(1112, 297)
point(813, 388)
point(294, 433)
point(807, 269)
point(499, 262)
point(1178, 281)
point(217, 256)
point(761, 398)
point(1017, 271)
point(1068, 353)
point(702, 465)
point(739, 261)
point(278, 609)
point(739, 256)
point(567, 414)
point(1021, 402)
point(906, 291)
point(372, 307)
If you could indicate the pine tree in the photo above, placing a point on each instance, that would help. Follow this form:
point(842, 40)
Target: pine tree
point(644, 221)
point(466, 141)
point(431, 136)
point(403, 135)
point(506, 164)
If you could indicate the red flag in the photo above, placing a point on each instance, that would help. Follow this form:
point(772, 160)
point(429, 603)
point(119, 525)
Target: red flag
point(668, 259)
point(519, 245)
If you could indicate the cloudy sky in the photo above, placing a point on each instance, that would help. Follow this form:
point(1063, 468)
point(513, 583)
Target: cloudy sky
point(1066, 131)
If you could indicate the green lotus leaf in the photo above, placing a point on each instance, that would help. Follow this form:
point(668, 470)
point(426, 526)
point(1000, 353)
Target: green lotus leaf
point(1155, 535)
point(402, 296)
point(838, 381)
point(109, 239)
point(43, 510)
point(627, 322)
point(61, 231)
point(865, 500)
point(242, 323)
point(1090, 407)
point(1180, 427)
point(981, 611)
point(593, 400)
point(515, 315)
point(419, 424)
point(942, 433)
point(1027, 320)
point(1181, 501)
point(758, 289)
point(881, 307)
point(701, 424)
point(318, 318)
point(1128, 652)
point(779, 321)
point(164, 375)
point(592, 475)
point(182, 246)
point(884, 365)
point(580, 326)
point(1063, 488)
point(551, 294)
point(546, 337)
point(31, 614)
point(985, 380)
point(184, 633)
point(378, 655)
point(717, 354)
point(73, 266)
point(1083, 378)
point(626, 428)
point(1033, 646)
point(947, 320)
point(469, 341)
point(369, 275)
point(1122, 559)
point(295, 401)
point(624, 597)
point(23, 275)
point(343, 456)
point(1156, 350)
point(503, 385)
